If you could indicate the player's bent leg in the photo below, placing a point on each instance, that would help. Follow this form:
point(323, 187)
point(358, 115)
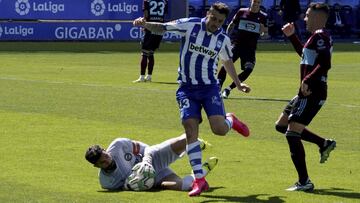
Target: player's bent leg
point(283, 119)
point(282, 123)
point(238, 125)
point(280, 128)
point(225, 93)
point(329, 146)
point(218, 125)
point(248, 68)
point(174, 182)
point(178, 144)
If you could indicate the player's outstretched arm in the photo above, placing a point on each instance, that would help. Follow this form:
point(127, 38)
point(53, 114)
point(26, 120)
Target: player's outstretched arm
point(230, 69)
point(152, 26)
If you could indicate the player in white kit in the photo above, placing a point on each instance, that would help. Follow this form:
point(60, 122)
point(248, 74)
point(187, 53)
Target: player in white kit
point(117, 161)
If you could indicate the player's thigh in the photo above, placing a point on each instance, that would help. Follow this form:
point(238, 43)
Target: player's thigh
point(151, 42)
point(212, 102)
point(305, 109)
point(283, 119)
point(164, 155)
point(188, 106)
point(217, 121)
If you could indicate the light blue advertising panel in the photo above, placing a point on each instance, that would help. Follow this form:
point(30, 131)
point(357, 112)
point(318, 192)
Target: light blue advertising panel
point(71, 9)
point(73, 31)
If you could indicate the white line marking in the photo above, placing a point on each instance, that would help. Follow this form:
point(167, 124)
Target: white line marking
point(152, 89)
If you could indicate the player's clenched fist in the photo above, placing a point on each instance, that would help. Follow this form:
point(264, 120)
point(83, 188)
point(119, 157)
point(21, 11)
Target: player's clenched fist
point(139, 21)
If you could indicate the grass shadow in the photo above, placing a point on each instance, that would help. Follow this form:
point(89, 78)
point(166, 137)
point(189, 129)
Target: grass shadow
point(250, 198)
point(259, 99)
point(338, 192)
point(165, 83)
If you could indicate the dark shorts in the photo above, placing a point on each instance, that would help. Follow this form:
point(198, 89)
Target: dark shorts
point(192, 99)
point(245, 55)
point(303, 110)
point(150, 41)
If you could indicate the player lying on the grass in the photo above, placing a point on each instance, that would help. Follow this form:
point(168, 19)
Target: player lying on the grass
point(123, 154)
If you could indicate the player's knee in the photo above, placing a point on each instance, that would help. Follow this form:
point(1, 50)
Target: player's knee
point(219, 131)
point(249, 67)
point(280, 128)
point(187, 183)
point(147, 52)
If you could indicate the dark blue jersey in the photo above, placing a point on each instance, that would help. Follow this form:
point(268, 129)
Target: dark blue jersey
point(156, 10)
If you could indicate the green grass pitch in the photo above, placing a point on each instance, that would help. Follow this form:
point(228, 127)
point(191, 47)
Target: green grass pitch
point(54, 104)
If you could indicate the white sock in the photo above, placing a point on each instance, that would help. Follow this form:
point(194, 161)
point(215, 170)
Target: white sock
point(229, 122)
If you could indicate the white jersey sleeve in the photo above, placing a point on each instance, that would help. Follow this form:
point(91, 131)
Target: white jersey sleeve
point(179, 26)
point(225, 52)
point(126, 153)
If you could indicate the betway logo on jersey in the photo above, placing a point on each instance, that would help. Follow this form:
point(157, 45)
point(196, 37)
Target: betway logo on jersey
point(16, 31)
point(202, 50)
point(98, 7)
point(101, 33)
point(23, 7)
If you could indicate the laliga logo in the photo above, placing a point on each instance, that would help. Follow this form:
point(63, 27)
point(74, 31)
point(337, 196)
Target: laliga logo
point(22, 7)
point(98, 7)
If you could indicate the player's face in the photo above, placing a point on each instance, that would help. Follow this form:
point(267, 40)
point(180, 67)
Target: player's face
point(214, 20)
point(310, 19)
point(255, 5)
point(104, 161)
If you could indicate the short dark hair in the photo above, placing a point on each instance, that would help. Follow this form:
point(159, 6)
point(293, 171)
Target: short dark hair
point(221, 7)
point(93, 154)
point(322, 7)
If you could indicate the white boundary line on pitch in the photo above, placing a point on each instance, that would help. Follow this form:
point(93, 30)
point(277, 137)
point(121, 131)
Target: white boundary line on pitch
point(155, 90)
point(84, 84)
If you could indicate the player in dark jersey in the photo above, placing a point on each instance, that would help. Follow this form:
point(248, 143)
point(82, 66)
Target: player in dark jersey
point(314, 66)
point(154, 11)
point(244, 30)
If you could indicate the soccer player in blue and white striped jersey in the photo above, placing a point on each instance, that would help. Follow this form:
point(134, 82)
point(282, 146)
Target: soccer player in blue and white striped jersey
point(203, 43)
